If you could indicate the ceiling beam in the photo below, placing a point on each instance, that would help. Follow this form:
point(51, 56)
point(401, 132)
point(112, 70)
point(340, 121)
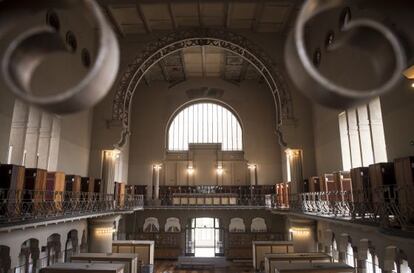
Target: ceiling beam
point(143, 18)
point(203, 61)
point(290, 17)
point(258, 13)
point(172, 16)
point(227, 10)
point(164, 70)
point(200, 15)
point(243, 70)
point(147, 78)
point(183, 64)
point(115, 24)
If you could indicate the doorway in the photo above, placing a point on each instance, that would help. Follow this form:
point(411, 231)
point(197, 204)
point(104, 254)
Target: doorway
point(204, 237)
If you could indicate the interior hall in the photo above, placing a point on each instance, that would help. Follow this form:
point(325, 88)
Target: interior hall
point(209, 136)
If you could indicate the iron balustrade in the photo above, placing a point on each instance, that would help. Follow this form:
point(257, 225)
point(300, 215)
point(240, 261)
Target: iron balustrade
point(26, 205)
point(386, 206)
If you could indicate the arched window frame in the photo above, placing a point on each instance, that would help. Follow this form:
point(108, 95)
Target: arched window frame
point(221, 105)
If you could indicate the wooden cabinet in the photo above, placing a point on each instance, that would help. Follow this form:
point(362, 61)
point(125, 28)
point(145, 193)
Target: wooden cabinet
point(312, 257)
point(97, 185)
point(404, 176)
point(11, 184)
point(314, 184)
point(12, 177)
point(261, 248)
point(34, 188)
point(327, 184)
point(73, 183)
point(382, 178)
point(282, 194)
point(144, 249)
point(55, 186)
point(343, 184)
point(361, 185)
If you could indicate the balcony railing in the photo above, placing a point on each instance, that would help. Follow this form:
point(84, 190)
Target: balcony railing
point(387, 206)
point(21, 206)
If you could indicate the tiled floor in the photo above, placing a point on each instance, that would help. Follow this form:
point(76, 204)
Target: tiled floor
point(169, 267)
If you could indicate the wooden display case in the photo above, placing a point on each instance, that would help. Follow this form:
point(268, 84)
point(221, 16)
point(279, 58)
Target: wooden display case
point(73, 183)
point(314, 184)
point(361, 185)
point(343, 184)
point(97, 185)
point(12, 183)
point(312, 257)
point(327, 184)
point(83, 268)
point(144, 249)
point(261, 248)
point(382, 176)
point(34, 187)
point(55, 186)
point(129, 260)
point(404, 176)
point(283, 267)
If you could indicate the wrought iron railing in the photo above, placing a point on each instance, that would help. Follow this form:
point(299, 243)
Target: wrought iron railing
point(387, 206)
point(25, 205)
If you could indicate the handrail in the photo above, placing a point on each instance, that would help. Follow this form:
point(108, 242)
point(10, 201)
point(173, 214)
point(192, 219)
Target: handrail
point(27, 205)
point(386, 206)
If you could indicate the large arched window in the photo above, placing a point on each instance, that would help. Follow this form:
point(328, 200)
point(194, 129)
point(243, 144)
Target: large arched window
point(205, 123)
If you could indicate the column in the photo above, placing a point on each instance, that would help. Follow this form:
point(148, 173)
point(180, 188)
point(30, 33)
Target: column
point(303, 234)
point(253, 179)
point(391, 254)
point(157, 169)
point(18, 131)
point(54, 144)
point(32, 137)
point(100, 234)
point(362, 256)
point(353, 131)
point(327, 242)
point(342, 248)
point(45, 134)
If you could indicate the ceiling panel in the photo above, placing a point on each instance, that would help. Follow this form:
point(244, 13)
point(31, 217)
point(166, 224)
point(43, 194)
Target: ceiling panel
point(158, 16)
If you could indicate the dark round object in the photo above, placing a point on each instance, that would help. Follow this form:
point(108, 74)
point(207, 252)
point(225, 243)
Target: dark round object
point(71, 41)
point(86, 58)
point(52, 19)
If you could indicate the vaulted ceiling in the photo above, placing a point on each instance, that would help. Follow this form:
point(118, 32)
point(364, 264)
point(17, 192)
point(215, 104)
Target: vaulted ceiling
point(135, 17)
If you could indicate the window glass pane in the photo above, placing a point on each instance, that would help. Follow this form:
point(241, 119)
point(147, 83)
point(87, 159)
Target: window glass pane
point(205, 123)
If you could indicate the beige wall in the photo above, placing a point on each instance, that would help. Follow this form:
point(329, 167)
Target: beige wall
point(153, 106)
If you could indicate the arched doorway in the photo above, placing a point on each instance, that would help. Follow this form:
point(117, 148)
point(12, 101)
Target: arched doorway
point(204, 237)
point(217, 38)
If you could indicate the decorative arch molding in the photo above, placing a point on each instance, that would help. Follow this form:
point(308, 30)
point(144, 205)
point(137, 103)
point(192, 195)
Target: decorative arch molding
point(220, 38)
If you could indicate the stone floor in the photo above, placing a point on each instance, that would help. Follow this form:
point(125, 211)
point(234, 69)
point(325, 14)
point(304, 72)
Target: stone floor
point(169, 267)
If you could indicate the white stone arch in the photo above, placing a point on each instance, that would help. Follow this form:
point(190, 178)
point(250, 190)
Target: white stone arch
point(258, 225)
point(172, 224)
point(151, 224)
point(237, 225)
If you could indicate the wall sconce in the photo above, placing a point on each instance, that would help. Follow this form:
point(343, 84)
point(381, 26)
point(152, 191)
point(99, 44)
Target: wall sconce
point(157, 167)
point(300, 231)
point(220, 170)
point(252, 166)
point(190, 169)
point(104, 231)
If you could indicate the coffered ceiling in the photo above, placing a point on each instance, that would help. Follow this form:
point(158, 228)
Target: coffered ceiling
point(132, 17)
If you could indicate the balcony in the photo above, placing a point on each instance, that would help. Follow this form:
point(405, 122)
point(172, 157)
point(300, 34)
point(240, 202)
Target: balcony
point(389, 207)
point(28, 207)
point(211, 197)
